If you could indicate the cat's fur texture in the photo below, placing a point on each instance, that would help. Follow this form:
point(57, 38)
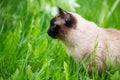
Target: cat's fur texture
point(85, 39)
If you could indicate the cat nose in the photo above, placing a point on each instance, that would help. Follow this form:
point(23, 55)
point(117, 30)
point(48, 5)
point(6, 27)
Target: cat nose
point(51, 29)
point(51, 32)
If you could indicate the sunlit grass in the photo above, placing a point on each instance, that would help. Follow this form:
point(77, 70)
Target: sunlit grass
point(28, 53)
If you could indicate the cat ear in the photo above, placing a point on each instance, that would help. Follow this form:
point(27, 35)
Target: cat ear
point(62, 13)
point(69, 20)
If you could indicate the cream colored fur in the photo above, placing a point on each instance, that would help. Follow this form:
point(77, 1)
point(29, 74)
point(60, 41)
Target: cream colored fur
point(82, 40)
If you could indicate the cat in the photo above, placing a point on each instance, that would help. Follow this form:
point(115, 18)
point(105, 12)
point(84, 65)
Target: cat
point(85, 39)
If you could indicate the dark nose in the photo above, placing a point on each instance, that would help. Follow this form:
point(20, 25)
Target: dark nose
point(51, 32)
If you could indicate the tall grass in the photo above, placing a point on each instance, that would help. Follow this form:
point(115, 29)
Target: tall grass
point(28, 53)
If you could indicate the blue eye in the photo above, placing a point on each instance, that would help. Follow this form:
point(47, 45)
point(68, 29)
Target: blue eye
point(56, 25)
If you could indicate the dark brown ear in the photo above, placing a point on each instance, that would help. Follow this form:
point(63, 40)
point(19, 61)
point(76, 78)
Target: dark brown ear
point(69, 19)
point(62, 13)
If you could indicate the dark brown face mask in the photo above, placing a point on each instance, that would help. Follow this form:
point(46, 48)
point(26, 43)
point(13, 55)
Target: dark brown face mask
point(60, 24)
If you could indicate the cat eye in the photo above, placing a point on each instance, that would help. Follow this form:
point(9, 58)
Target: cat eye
point(56, 25)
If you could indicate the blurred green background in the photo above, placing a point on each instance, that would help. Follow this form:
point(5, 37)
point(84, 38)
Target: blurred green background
point(28, 53)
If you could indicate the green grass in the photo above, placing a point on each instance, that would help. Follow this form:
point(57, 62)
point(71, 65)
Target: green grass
point(28, 53)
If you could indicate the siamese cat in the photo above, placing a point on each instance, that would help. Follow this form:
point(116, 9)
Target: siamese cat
point(84, 40)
